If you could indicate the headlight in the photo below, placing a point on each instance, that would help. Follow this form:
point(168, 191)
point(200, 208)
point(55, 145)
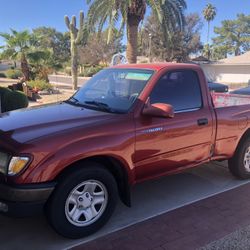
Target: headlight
point(4, 161)
point(12, 165)
point(17, 164)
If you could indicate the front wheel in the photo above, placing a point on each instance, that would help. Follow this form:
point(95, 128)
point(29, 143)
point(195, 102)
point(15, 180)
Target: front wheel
point(239, 164)
point(83, 202)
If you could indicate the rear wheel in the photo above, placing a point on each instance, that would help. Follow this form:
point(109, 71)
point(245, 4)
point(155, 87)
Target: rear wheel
point(83, 202)
point(239, 164)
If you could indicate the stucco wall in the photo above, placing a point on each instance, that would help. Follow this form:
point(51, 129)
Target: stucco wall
point(227, 73)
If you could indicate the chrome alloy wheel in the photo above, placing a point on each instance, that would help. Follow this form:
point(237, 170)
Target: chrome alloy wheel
point(86, 203)
point(247, 159)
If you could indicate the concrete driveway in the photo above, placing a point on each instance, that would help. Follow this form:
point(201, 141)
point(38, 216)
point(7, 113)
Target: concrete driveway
point(148, 200)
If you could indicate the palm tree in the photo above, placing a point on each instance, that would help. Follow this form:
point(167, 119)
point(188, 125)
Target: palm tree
point(209, 14)
point(17, 45)
point(41, 63)
point(131, 12)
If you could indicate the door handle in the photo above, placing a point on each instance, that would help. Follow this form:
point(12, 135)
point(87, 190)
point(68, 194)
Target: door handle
point(202, 122)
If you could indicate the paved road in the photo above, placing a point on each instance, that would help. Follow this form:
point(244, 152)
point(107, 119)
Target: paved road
point(66, 80)
point(5, 82)
point(4, 66)
point(148, 200)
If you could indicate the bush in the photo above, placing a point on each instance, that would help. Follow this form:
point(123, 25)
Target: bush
point(14, 73)
point(90, 71)
point(2, 75)
point(3, 93)
point(39, 85)
point(67, 71)
point(16, 100)
point(11, 100)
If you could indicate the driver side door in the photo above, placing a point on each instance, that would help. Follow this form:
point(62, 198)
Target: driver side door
point(165, 145)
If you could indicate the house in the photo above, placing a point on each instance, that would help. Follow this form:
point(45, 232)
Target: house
point(230, 70)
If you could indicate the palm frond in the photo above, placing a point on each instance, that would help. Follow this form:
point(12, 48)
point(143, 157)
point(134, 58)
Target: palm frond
point(103, 12)
point(173, 18)
point(113, 20)
point(156, 6)
point(170, 14)
point(6, 36)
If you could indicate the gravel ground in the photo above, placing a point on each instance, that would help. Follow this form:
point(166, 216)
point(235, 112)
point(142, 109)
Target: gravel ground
point(239, 240)
point(64, 94)
point(45, 99)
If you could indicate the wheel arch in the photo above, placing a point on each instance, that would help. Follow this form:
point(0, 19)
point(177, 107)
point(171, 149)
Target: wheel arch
point(242, 139)
point(236, 163)
point(114, 166)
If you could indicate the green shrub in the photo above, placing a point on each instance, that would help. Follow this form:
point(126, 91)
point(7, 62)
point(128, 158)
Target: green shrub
point(14, 73)
point(3, 91)
point(39, 85)
point(90, 71)
point(16, 100)
point(11, 100)
point(68, 71)
point(2, 75)
point(3, 94)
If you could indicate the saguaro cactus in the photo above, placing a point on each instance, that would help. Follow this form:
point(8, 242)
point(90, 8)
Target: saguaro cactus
point(76, 36)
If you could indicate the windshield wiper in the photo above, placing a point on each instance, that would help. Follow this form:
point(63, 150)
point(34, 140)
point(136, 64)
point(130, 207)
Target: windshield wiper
point(101, 105)
point(74, 101)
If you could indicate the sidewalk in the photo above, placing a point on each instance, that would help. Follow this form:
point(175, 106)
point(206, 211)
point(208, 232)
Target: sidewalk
point(5, 82)
point(190, 227)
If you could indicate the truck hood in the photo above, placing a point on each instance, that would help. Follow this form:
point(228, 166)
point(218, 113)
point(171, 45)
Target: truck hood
point(24, 125)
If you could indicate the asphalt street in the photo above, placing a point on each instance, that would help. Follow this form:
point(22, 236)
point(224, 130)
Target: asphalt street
point(66, 81)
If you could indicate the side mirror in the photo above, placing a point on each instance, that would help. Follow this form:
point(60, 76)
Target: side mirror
point(159, 110)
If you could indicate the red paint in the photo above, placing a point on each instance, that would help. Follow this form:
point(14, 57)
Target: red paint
point(147, 146)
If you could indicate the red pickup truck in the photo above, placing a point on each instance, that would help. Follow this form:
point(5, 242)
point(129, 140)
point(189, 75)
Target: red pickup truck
point(128, 124)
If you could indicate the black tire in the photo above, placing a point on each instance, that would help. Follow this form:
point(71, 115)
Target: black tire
point(56, 209)
point(236, 164)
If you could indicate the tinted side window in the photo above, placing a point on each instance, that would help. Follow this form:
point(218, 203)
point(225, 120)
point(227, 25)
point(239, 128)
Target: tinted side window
point(181, 89)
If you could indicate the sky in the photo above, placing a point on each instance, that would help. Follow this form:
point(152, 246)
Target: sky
point(28, 14)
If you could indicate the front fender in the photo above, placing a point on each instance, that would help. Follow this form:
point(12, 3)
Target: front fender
point(119, 147)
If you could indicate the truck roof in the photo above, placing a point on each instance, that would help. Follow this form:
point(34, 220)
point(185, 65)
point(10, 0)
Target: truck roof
point(158, 66)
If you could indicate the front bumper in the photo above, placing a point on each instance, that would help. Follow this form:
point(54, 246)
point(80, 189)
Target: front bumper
point(24, 200)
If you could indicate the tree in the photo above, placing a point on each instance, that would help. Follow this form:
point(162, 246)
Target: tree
point(234, 35)
point(41, 63)
point(209, 14)
point(169, 14)
point(98, 50)
point(179, 47)
point(57, 42)
point(17, 45)
point(219, 52)
point(215, 52)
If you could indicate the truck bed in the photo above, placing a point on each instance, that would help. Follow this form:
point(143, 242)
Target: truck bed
point(228, 100)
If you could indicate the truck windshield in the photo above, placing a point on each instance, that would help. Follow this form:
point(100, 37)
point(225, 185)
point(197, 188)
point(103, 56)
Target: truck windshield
point(112, 90)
